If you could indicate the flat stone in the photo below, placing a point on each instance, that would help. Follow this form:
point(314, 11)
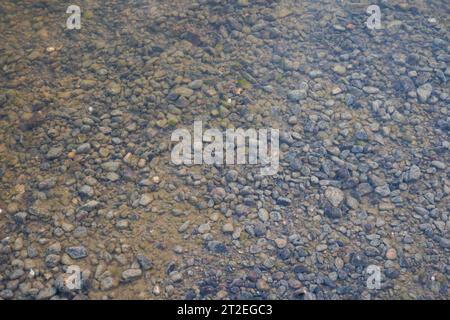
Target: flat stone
point(112, 176)
point(204, 228)
point(107, 283)
point(52, 260)
point(227, 228)
point(391, 254)
point(184, 226)
point(86, 191)
point(297, 95)
point(218, 194)
point(263, 215)
point(176, 276)
point(333, 212)
point(438, 165)
point(260, 229)
point(281, 243)
point(84, 148)
point(144, 262)
point(383, 190)
point(364, 188)
point(424, 92)
point(262, 285)
point(231, 175)
point(283, 201)
point(122, 224)
point(217, 247)
point(46, 293)
point(444, 243)
point(334, 195)
point(111, 166)
point(90, 205)
point(114, 88)
point(195, 85)
point(241, 210)
point(55, 248)
point(16, 274)
point(184, 92)
point(413, 173)
point(145, 200)
point(131, 274)
point(371, 90)
point(77, 252)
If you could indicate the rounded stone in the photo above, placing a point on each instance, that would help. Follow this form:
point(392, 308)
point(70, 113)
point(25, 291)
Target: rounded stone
point(391, 254)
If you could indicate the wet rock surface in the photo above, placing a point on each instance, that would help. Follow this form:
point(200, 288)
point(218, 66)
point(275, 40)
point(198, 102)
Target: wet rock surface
point(86, 177)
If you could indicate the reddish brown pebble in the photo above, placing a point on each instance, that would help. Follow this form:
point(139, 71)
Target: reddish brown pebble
point(391, 254)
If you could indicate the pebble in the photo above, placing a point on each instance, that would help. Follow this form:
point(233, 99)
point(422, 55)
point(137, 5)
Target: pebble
point(131, 274)
point(107, 283)
point(339, 69)
point(111, 166)
point(297, 95)
point(424, 92)
point(86, 191)
point(371, 90)
point(232, 175)
point(156, 180)
point(413, 174)
point(87, 177)
point(46, 293)
point(145, 200)
point(263, 215)
point(54, 153)
point(204, 228)
point(281, 243)
point(176, 276)
point(383, 190)
point(114, 88)
point(334, 195)
point(144, 262)
point(260, 229)
point(184, 226)
point(184, 92)
point(156, 290)
point(78, 252)
point(196, 84)
point(438, 164)
point(444, 243)
point(84, 148)
point(227, 228)
point(391, 254)
point(262, 285)
point(217, 247)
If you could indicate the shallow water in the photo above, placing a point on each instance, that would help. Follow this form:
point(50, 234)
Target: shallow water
point(86, 118)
